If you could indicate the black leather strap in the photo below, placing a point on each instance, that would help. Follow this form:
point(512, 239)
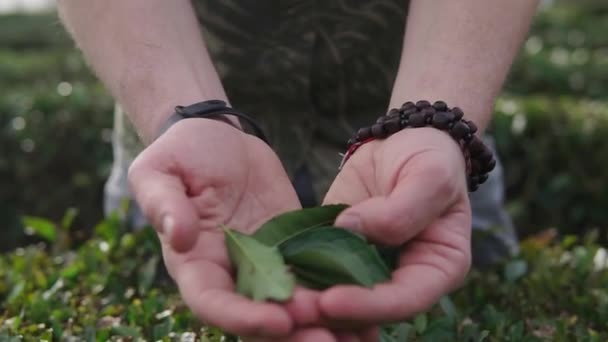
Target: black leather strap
point(212, 109)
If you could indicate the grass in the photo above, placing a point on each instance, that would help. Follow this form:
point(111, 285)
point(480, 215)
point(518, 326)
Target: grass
point(113, 286)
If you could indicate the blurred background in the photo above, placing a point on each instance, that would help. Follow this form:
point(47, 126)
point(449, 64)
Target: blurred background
point(551, 123)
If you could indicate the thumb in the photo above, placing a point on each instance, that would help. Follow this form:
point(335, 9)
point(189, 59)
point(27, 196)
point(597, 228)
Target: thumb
point(162, 197)
point(408, 209)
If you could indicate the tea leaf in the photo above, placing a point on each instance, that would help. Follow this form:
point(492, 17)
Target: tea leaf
point(420, 323)
point(329, 256)
point(40, 227)
point(285, 226)
point(68, 218)
point(261, 272)
point(515, 269)
point(396, 332)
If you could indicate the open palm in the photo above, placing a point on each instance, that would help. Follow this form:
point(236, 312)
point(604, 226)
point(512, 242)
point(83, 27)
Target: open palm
point(409, 191)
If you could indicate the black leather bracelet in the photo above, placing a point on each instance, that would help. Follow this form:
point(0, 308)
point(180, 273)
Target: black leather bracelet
point(478, 157)
point(212, 109)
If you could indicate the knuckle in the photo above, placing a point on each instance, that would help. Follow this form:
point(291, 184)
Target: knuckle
point(391, 229)
point(443, 176)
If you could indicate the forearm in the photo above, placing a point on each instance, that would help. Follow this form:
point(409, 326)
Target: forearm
point(149, 53)
point(460, 52)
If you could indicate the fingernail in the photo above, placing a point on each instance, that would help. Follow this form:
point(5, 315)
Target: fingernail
point(350, 221)
point(167, 225)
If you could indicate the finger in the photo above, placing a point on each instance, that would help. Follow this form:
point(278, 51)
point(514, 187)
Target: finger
point(207, 289)
point(417, 198)
point(163, 199)
point(430, 267)
point(304, 307)
point(388, 302)
point(300, 335)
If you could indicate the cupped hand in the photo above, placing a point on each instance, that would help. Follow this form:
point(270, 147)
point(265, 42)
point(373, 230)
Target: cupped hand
point(199, 175)
point(408, 190)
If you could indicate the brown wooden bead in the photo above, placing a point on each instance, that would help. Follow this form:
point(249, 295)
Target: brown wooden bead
point(409, 111)
point(472, 126)
point(378, 131)
point(423, 104)
point(392, 126)
point(382, 119)
point(408, 105)
point(428, 114)
point(489, 166)
point(476, 146)
point(441, 120)
point(467, 138)
point(440, 106)
point(473, 186)
point(417, 120)
point(364, 133)
point(459, 130)
point(476, 167)
point(393, 111)
point(458, 113)
point(486, 156)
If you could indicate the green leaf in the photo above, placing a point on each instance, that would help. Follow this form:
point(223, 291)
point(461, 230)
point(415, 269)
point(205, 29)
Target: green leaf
point(109, 228)
point(328, 256)
point(40, 227)
point(447, 306)
point(420, 323)
point(127, 331)
point(261, 271)
point(515, 269)
point(68, 218)
point(396, 332)
point(285, 226)
point(146, 274)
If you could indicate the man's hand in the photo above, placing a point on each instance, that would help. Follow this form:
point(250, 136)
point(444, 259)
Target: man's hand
point(408, 190)
point(198, 175)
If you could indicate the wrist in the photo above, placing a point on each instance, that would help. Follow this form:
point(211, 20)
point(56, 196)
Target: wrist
point(477, 106)
point(479, 160)
point(217, 110)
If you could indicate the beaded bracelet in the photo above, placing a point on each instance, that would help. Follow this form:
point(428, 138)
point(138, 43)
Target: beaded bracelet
point(478, 157)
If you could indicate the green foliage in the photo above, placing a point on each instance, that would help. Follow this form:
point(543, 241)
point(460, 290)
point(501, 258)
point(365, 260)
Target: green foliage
point(115, 285)
point(328, 256)
point(318, 254)
point(285, 226)
point(261, 271)
point(23, 31)
point(555, 151)
point(40, 227)
point(552, 126)
point(54, 127)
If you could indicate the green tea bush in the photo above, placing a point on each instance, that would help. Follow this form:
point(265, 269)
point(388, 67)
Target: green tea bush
point(114, 286)
point(54, 127)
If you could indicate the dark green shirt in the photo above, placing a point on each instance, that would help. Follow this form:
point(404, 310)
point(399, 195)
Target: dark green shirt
point(311, 72)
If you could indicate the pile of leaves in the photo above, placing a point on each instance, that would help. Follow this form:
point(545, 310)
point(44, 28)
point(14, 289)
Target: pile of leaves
point(303, 247)
point(114, 286)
